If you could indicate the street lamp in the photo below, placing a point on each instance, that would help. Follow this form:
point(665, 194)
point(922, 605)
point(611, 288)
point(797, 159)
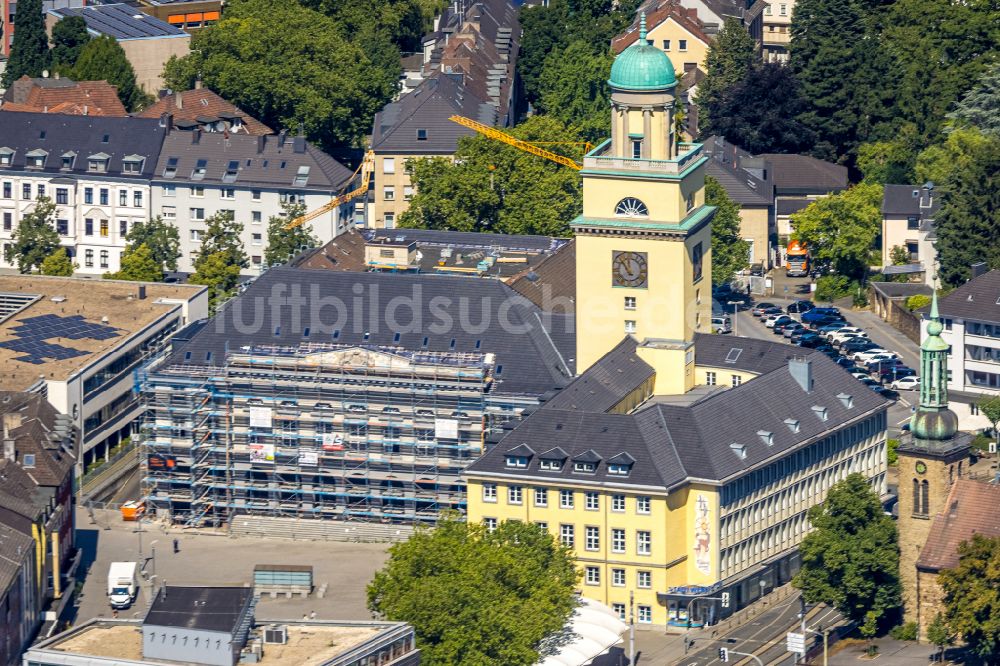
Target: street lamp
point(152, 558)
point(736, 321)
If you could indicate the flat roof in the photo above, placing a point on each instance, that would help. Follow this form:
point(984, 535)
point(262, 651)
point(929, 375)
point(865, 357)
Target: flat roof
point(202, 608)
point(60, 326)
point(121, 21)
point(308, 644)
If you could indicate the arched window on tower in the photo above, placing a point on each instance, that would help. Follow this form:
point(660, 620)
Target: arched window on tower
point(916, 496)
point(631, 207)
point(924, 498)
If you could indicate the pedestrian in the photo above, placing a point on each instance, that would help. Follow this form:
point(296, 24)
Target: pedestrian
point(177, 546)
point(114, 614)
point(312, 615)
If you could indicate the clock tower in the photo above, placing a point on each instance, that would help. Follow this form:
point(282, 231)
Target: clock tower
point(643, 257)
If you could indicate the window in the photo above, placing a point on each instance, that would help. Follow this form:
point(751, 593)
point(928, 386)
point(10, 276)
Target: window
point(169, 212)
point(584, 467)
point(390, 220)
point(541, 497)
point(736, 380)
point(666, 44)
point(593, 575)
point(197, 191)
point(197, 213)
point(489, 492)
point(389, 165)
point(783, 10)
point(122, 228)
point(566, 535)
point(682, 44)
point(630, 326)
point(26, 191)
point(62, 227)
point(62, 195)
point(630, 302)
point(196, 235)
point(28, 460)
point(631, 207)
point(255, 217)
point(41, 191)
point(8, 221)
point(169, 190)
point(88, 227)
point(227, 193)
point(514, 494)
point(88, 195)
point(767, 12)
point(88, 258)
point(642, 504)
point(645, 614)
point(123, 197)
point(619, 610)
point(637, 149)
point(389, 193)
point(131, 166)
point(593, 540)
point(98, 165)
point(407, 192)
point(517, 461)
point(542, 525)
point(491, 524)
point(421, 135)
point(301, 175)
point(643, 542)
point(617, 540)
point(104, 195)
point(710, 378)
point(592, 501)
point(618, 469)
point(198, 173)
point(104, 258)
point(8, 190)
point(255, 195)
point(566, 499)
point(257, 239)
point(618, 577)
point(104, 228)
point(618, 503)
point(550, 465)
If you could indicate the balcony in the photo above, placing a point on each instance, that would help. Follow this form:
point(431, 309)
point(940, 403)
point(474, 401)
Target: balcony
point(598, 159)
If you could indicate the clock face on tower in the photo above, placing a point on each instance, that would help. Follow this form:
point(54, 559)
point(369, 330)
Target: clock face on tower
point(628, 269)
point(921, 467)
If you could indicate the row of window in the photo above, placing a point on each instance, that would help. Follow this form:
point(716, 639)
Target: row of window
point(711, 379)
point(101, 228)
point(592, 537)
point(567, 499)
point(97, 163)
point(782, 10)
point(389, 193)
point(643, 579)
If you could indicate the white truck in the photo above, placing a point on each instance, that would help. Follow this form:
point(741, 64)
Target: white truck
point(123, 584)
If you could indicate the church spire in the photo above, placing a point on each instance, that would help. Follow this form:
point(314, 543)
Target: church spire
point(933, 420)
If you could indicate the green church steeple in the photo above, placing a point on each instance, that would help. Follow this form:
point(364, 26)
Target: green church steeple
point(933, 420)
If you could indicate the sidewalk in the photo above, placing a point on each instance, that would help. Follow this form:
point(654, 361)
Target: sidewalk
point(891, 653)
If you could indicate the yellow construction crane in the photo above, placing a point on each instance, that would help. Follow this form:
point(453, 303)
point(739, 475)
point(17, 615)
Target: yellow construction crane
point(526, 146)
point(366, 167)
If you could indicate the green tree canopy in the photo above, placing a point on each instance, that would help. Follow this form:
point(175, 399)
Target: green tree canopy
point(730, 251)
point(727, 64)
point(496, 188)
point(69, 36)
point(990, 408)
point(887, 162)
point(29, 53)
point(968, 222)
point(980, 107)
point(162, 239)
point(35, 238)
point(284, 243)
point(474, 596)
point(851, 560)
point(402, 21)
point(103, 59)
point(574, 88)
point(139, 265)
point(222, 234)
point(972, 596)
point(938, 634)
point(58, 263)
point(842, 228)
point(286, 64)
point(220, 259)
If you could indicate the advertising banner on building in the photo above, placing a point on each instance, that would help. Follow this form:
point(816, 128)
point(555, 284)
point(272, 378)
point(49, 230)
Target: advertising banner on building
point(308, 457)
point(333, 441)
point(445, 429)
point(262, 453)
point(157, 461)
point(260, 417)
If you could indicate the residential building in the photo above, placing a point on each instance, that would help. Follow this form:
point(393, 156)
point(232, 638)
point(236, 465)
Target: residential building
point(215, 626)
point(971, 318)
point(674, 29)
point(89, 336)
point(379, 389)
point(200, 174)
point(414, 127)
point(147, 41)
point(777, 30)
point(908, 223)
point(17, 583)
point(798, 181)
point(202, 108)
point(83, 98)
point(95, 169)
point(188, 15)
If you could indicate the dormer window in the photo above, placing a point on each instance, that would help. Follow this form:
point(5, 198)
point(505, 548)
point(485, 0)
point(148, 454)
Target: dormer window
point(620, 465)
point(302, 177)
point(518, 457)
point(793, 424)
point(68, 159)
point(199, 170)
point(584, 467)
point(766, 436)
point(6, 156)
point(550, 465)
point(132, 164)
point(36, 159)
point(820, 412)
point(619, 470)
point(232, 171)
point(421, 135)
point(517, 461)
point(98, 163)
point(739, 449)
point(170, 170)
point(846, 400)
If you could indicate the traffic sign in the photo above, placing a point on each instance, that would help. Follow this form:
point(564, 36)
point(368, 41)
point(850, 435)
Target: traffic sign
point(725, 600)
point(796, 642)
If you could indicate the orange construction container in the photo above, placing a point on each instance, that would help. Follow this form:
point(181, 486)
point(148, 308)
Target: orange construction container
point(133, 510)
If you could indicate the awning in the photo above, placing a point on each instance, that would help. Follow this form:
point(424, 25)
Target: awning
point(591, 631)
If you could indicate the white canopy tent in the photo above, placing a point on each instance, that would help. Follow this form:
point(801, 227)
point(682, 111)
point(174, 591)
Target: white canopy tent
point(591, 631)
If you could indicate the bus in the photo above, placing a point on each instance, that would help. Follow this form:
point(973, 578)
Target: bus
point(797, 259)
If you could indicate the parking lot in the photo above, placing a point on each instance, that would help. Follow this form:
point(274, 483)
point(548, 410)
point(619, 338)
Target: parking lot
point(206, 559)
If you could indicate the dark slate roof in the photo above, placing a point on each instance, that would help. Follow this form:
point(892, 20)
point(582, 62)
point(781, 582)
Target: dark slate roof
point(83, 135)
point(748, 354)
point(264, 161)
point(899, 200)
point(40, 434)
point(551, 284)
point(673, 443)
point(13, 548)
point(534, 359)
point(802, 174)
point(743, 187)
point(735, 186)
point(788, 206)
point(203, 608)
point(121, 21)
point(605, 383)
point(901, 289)
point(428, 108)
point(970, 509)
point(346, 252)
point(977, 299)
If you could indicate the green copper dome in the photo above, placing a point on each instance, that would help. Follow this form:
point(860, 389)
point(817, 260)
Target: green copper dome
point(642, 67)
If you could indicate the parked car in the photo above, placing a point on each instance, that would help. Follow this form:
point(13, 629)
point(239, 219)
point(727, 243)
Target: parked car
point(777, 319)
point(822, 314)
point(844, 332)
point(890, 373)
point(800, 307)
point(807, 339)
point(844, 339)
point(791, 329)
point(757, 270)
point(721, 325)
point(877, 364)
point(844, 362)
point(856, 345)
point(825, 329)
point(910, 383)
point(868, 354)
point(885, 392)
point(827, 349)
point(868, 381)
point(860, 376)
point(758, 309)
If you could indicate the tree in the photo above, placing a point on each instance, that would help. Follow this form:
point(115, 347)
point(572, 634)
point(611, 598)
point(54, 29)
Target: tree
point(220, 259)
point(990, 408)
point(938, 634)
point(887, 162)
point(69, 36)
point(58, 263)
point(851, 560)
point(29, 54)
point(402, 21)
point(162, 239)
point(761, 112)
point(980, 107)
point(968, 222)
point(730, 251)
point(727, 64)
point(284, 243)
point(103, 59)
point(139, 265)
point(917, 301)
point(574, 88)
point(972, 596)
point(222, 234)
point(842, 228)
point(899, 255)
point(493, 187)
point(35, 237)
point(938, 162)
point(475, 596)
point(286, 64)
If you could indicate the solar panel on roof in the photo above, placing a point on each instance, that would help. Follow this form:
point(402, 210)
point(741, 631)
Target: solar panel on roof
point(31, 337)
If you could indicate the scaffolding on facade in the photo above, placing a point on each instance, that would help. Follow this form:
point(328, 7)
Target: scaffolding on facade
point(313, 431)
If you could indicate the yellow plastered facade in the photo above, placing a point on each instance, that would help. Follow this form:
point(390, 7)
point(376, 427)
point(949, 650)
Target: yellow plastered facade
point(668, 35)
